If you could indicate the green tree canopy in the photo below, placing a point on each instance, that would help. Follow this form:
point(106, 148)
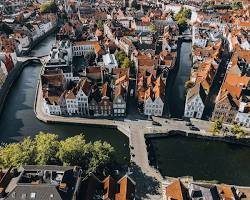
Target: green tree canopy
point(47, 146)
point(49, 7)
point(126, 63)
point(73, 151)
point(47, 149)
point(152, 28)
point(100, 155)
point(120, 56)
point(17, 154)
point(236, 129)
point(216, 126)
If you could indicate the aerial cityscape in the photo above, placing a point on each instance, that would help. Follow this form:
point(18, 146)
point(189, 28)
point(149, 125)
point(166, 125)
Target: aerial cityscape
point(125, 99)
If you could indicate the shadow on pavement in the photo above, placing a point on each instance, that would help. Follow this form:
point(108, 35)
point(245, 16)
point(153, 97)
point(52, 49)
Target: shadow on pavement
point(145, 185)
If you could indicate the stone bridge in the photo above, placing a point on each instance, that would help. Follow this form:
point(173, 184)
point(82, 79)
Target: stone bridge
point(39, 59)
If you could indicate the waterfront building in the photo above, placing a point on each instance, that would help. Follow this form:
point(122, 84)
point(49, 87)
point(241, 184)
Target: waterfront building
point(119, 101)
point(83, 90)
point(195, 102)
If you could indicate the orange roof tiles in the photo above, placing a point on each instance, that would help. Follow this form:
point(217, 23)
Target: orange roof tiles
point(176, 190)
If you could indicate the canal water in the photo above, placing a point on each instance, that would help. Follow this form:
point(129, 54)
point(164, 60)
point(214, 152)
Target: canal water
point(177, 79)
point(203, 159)
point(18, 119)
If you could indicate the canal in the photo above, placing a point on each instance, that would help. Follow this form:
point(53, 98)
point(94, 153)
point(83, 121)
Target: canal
point(18, 120)
point(177, 79)
point(203, 159)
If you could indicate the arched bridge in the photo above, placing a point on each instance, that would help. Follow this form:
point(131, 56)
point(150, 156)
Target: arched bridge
point(40, 59)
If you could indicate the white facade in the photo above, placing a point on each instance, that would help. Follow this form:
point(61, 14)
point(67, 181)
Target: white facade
point(153, 108)
point(83, 104)
point(194, 107)
point(69, 77)
point(72, 106)
point(243, 119)
point(109, 61)
point(52, 109)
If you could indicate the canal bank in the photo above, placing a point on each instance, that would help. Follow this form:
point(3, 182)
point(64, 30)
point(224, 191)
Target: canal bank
point(18, 120)
point(202, 159)
point(176, 92)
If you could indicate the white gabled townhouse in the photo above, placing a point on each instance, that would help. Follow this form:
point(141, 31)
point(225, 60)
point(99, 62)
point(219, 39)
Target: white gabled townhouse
point(119, 101)
point(71, 103)
point(154, 97)
point(52, 105)
point(83, 92)
point(153, 104)
point(195, 100)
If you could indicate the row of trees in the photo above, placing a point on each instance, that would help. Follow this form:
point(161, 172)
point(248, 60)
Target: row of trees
point(47, 149)
point(217, 127)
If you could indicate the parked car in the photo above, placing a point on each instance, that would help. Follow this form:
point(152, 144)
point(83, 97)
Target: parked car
point(189, 124)
point(193, 128)
point(156, 123)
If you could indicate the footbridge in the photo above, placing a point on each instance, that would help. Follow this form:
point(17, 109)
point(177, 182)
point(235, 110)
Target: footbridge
point(38, 59)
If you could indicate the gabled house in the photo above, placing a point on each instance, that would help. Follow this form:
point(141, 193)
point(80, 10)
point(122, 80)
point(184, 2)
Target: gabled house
point(119, 101)
point(195, 102)
point(176, 190)
point(83, 89)
point(105, 105)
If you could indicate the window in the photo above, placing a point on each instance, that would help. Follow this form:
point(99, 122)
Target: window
point(32, 195)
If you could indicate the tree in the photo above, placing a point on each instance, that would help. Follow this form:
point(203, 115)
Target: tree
point(73, 151)
point(152, 28)
point(100, 156)
point(121, 56)
point(217, 126)
point(46, 149)
point(47, 146)
point(236, 129)
point(49, 7)
point(17, 154)
point(126, 63)
point(236, 5)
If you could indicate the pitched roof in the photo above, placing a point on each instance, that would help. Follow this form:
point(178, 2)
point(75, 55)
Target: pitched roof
point(176, 191)
point(127, 189)
point(109, 188)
